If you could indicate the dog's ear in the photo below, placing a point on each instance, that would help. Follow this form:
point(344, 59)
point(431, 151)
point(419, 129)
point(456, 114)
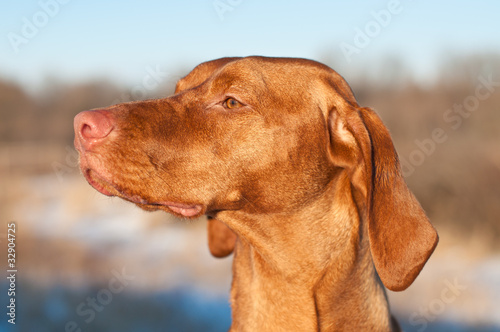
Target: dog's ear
point(401, 236)
point(221, 239)
point(200, 73)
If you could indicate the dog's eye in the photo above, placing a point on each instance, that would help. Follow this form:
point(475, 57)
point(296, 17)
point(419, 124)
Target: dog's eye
point(232, 103)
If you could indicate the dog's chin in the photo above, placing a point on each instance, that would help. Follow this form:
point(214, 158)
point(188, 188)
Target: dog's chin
point(107, 188)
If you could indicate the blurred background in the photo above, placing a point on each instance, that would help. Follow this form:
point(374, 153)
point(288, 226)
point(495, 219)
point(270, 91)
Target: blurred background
point(86, 262)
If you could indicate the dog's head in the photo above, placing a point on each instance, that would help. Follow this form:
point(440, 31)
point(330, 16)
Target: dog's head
point(266, 134)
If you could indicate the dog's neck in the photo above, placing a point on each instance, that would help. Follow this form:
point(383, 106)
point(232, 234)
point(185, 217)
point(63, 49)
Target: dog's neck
point(314, 266)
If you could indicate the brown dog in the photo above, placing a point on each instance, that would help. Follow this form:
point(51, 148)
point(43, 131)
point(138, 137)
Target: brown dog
point(296, 177)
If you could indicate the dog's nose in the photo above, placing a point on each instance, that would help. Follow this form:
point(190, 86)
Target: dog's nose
point(91, 128)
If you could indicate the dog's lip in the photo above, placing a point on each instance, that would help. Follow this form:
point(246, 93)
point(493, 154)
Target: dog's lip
point(98, 182)
point(107, 188)
point(182, 209)
point(185, 210)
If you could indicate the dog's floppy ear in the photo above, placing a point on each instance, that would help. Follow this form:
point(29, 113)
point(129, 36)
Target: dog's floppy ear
point(401, 236)
point(200, 73)
point(221, 239)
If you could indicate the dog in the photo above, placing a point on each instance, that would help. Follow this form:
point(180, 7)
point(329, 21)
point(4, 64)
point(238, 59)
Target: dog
point(298, 180)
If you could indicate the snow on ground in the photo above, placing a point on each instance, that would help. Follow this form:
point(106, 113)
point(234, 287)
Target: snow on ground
point(72, 241)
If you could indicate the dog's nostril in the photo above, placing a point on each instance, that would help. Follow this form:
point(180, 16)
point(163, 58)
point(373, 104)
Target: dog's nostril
point(86, 131)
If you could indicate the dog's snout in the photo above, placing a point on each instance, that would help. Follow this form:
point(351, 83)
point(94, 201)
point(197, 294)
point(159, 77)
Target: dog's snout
point(91, 127)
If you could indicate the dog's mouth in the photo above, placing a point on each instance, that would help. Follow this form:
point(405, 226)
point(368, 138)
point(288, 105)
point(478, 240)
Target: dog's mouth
point(107, 188)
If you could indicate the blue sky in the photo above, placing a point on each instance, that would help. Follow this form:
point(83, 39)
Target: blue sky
point(80, 40)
